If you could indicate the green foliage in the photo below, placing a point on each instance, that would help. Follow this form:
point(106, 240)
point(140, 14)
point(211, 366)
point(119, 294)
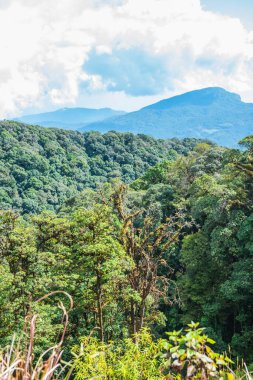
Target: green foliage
point(42, 168)
point(212, 263)
point(122, 360)
point(190, 356)
point(174, 246)
point(97, 252)
point(78, 252)
point(183, 355)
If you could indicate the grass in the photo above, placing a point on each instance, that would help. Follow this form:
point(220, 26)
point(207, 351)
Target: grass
point(17, 362)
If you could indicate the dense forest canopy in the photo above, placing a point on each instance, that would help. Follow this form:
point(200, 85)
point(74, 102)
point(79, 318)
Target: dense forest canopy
point(41, 168)
point(164, 240)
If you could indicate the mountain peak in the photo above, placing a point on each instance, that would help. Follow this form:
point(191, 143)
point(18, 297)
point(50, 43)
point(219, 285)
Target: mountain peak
point(211, 113)
point(202, 97)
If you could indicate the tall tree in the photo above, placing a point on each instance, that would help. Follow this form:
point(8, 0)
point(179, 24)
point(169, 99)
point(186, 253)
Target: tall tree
point(100, 262)
point(146, 242)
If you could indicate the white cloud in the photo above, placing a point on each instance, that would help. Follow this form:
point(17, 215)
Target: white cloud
point(45, 45)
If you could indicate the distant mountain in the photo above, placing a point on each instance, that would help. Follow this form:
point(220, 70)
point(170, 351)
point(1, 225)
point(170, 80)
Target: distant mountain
point(70, 118)
point(212, 113)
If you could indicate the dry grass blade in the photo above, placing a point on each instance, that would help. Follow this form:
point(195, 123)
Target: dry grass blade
point(58, 292)
point(28, 361)
point(247, 374)
point(18, 364)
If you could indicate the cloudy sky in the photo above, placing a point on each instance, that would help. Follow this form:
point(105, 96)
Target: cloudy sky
point(120, 53)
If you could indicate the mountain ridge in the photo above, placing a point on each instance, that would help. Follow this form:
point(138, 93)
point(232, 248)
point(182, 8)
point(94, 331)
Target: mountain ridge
point(211, 113)
point(208, 113)
point(207, 95)
point(69, 118)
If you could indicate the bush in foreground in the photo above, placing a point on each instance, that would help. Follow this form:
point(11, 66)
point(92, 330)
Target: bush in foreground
point(183, 355)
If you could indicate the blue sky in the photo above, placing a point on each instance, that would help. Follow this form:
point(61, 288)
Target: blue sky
point(122, 54)
point(242, 9)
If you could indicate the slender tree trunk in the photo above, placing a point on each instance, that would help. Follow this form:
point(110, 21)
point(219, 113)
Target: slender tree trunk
point(133, 320)
point(142, 314)
point(99, 307)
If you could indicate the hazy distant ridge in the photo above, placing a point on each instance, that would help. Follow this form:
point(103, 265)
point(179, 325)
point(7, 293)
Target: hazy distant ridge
point(70, 118)
point(212, 113)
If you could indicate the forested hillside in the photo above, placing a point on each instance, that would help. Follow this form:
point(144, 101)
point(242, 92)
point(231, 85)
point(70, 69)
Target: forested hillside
point(213, 262)
point(41, 168)
point(138, 259)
